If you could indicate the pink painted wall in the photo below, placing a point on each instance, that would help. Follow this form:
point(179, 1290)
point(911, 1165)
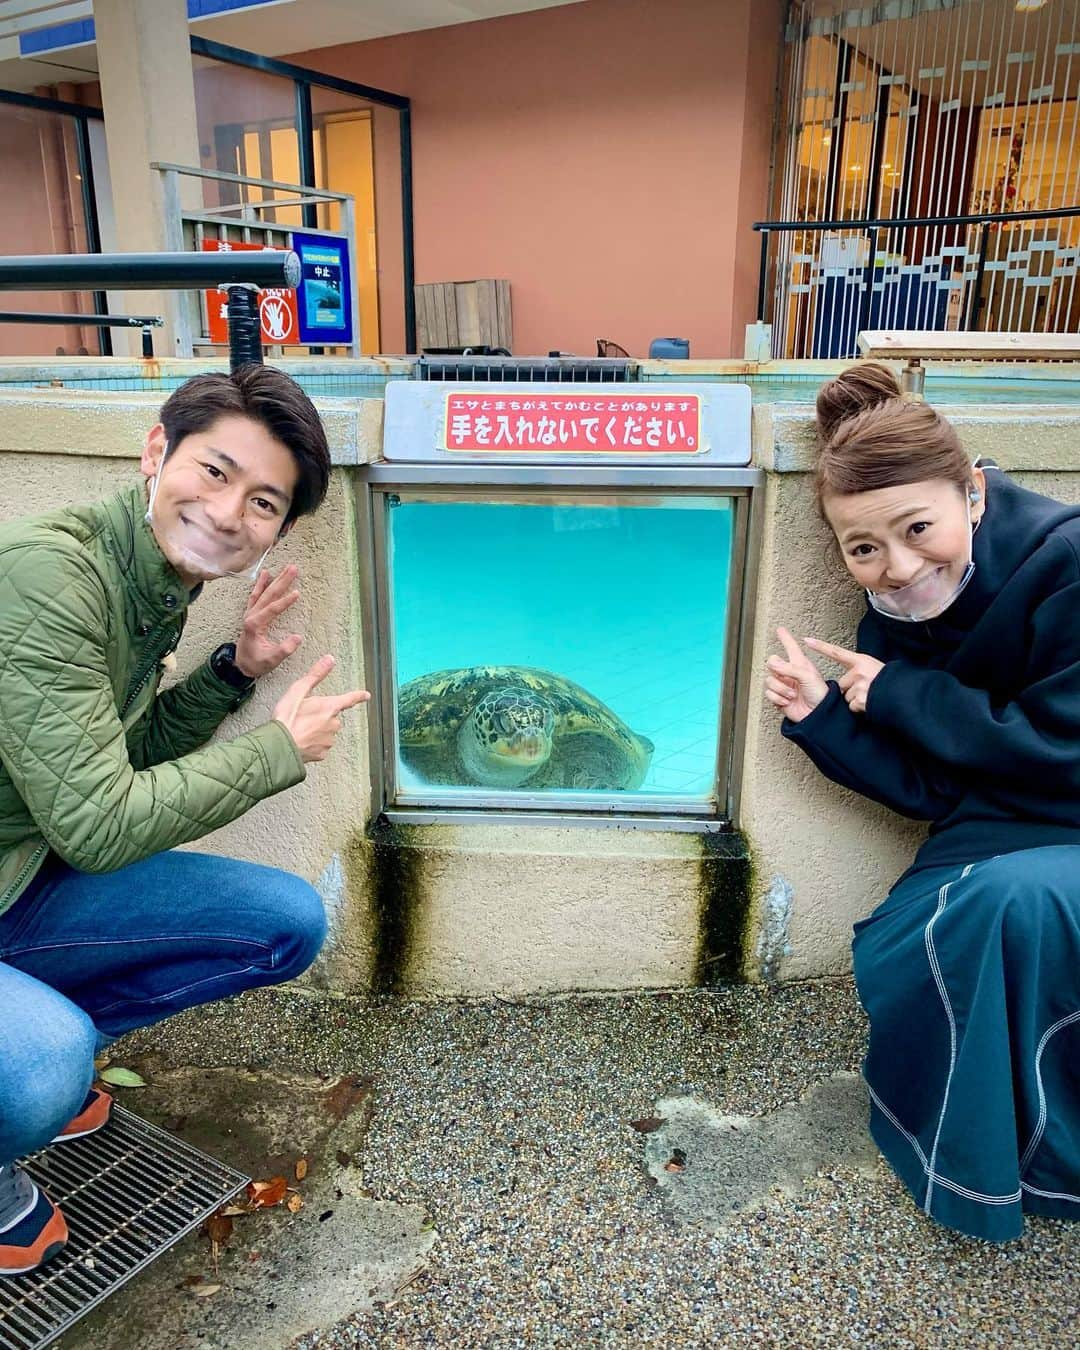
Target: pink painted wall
point(607, 157)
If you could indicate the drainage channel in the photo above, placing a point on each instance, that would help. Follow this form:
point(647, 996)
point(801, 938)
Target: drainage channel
point(128, 1192)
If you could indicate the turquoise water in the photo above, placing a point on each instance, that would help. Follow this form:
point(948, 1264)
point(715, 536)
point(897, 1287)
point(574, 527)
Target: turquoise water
point(629, 602)
point(773, 389)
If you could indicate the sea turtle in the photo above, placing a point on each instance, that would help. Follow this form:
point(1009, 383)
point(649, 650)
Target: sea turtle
point(516, 726)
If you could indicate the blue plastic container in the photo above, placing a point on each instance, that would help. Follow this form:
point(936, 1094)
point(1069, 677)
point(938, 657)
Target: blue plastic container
point(669, 349)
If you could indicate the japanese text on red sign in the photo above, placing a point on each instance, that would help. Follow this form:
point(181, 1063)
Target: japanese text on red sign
point(574, 424)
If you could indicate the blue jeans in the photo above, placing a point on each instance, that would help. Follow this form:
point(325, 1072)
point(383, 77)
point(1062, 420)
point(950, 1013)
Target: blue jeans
point(85, 958)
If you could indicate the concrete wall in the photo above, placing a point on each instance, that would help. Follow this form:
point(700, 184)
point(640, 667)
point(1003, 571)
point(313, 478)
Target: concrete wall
point(520, 909)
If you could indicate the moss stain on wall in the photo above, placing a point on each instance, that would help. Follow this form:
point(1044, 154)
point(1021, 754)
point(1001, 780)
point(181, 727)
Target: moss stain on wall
point(725, 888)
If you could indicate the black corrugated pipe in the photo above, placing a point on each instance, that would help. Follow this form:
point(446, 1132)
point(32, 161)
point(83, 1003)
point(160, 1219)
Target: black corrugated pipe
point(245, 338)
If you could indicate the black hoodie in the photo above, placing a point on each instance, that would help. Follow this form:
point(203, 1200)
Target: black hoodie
point(974, 721)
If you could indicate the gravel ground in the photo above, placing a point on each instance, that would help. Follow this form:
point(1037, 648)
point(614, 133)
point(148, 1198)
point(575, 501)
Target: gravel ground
point(510, 1123)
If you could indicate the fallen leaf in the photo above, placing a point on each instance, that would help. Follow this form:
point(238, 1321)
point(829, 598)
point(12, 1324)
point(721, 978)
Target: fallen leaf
point(345, 1159)
point(204, 1290)
point(263, 1194)
point(295, 1203)
point(345, 1094)
point(122, 1078)
point(674, 1167)
point(219, 1226)
point(648, 1125)
point(230, 1211)
point(301, 1169)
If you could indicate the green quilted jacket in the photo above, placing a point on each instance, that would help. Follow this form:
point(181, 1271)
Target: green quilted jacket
point(93, 763)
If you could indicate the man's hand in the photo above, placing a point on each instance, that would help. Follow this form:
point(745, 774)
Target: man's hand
point(257, 653)
point(312, 720)
point(859, 673)
point(794, 685)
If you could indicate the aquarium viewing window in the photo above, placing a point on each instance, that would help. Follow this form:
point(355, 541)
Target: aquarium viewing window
point(554, 625)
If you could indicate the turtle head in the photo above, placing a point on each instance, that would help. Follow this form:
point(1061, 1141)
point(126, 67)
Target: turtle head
point(507, 737)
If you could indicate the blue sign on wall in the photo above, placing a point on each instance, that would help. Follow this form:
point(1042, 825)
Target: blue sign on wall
point(324, 296)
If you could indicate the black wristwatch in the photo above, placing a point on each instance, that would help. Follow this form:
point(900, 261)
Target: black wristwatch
point(223, 664)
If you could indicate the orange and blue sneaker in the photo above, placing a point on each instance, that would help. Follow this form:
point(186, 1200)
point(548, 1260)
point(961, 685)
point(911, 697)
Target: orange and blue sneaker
point(32, 1229)
point(92, 1115)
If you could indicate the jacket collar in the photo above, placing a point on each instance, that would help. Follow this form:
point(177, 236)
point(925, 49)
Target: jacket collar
point(158, 591)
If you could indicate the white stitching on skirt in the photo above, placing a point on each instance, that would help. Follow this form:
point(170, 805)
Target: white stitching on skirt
point(943, 896)
point(1040, 1126)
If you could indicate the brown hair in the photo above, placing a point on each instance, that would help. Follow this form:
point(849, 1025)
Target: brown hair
point(872, 436)
point(266, 396)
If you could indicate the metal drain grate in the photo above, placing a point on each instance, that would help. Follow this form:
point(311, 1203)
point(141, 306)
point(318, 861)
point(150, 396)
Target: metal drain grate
point(128, 1193)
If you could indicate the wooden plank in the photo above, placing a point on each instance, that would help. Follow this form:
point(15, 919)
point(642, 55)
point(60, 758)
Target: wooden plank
point(448, 300)
point(468, 316)
point(486, 319)
point(440, 326)
point(968, 346)
point(506, 327)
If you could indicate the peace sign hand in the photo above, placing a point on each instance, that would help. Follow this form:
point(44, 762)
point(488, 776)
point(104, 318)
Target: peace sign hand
point(860, 673)
point(794, 685)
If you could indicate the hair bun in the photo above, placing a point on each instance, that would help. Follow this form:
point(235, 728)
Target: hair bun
point(852, 392)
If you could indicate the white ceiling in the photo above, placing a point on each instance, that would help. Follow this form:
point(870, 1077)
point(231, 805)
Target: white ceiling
point(276, 29)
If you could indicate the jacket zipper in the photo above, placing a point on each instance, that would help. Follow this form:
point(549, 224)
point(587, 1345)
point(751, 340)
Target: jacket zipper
point(143, 675)
point(28, 867)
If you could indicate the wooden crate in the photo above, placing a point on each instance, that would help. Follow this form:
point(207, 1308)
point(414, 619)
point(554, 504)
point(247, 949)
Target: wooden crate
point(463, 314)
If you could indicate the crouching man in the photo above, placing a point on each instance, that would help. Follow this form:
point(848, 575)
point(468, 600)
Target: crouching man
point(102, 927)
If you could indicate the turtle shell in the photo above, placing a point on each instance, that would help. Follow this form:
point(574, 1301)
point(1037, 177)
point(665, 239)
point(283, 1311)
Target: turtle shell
point(432, 707)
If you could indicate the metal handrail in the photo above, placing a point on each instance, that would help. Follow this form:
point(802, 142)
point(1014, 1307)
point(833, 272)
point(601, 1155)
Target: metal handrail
point(143, 321)
point(766, 227)
point(239, 273)
point(83, 320)
point(898, 222)
point(148, 271)
point(220, 176)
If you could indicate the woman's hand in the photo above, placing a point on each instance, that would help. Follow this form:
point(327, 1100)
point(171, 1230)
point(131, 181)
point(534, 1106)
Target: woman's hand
point(794, 685)
point(859, 674)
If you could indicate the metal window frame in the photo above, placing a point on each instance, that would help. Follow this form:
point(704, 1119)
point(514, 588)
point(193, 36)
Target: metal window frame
point(506, 483)
point(81, 115)
point(304, 80)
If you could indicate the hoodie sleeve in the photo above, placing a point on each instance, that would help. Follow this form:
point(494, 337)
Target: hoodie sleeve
point(873, 761)
point(1030, 741)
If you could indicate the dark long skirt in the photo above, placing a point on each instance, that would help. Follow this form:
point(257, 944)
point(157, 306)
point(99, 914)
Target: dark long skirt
point(971, 980)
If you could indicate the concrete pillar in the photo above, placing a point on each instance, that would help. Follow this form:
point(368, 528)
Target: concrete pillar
point(148, 96)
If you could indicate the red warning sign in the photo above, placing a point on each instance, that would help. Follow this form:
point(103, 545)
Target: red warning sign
point(280, 321)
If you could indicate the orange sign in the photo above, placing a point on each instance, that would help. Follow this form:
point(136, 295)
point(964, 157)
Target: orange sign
point(574, 424)
point(277, 307)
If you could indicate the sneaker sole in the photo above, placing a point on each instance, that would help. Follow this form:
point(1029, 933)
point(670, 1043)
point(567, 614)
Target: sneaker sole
point(53, 1250)
point(78, 1134)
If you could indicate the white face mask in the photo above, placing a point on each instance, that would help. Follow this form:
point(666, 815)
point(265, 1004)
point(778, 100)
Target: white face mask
point(931, 594)
point(195, 546)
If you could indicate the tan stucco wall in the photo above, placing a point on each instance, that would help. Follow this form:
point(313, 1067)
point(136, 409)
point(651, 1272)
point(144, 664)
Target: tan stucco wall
point(529, 908)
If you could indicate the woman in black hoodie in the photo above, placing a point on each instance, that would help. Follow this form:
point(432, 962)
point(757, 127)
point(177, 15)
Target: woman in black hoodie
point(960, 706)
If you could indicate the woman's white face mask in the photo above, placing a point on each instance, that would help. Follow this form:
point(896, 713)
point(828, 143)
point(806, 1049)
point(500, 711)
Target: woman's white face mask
point(910, 547)
point(930, 595)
